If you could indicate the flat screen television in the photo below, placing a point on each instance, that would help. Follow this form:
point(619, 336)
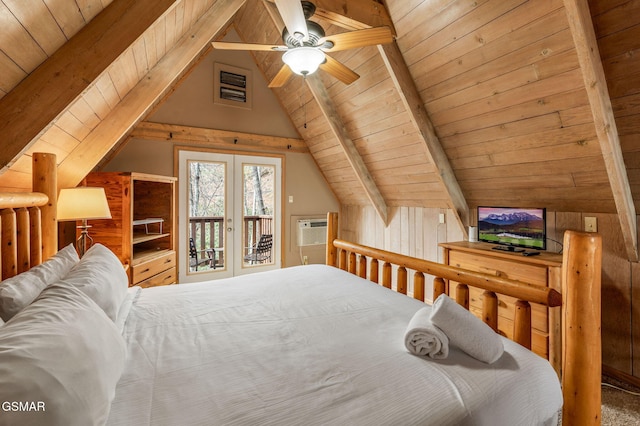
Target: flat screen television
point(510, 226)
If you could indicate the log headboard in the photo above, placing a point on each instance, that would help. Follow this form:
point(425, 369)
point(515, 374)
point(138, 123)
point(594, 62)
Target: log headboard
point(579, 303)
point(29, 230)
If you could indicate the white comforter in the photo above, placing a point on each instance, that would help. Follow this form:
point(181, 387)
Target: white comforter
point(309, 345)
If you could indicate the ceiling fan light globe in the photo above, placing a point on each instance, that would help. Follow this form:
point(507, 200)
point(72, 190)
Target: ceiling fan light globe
point(303, 60)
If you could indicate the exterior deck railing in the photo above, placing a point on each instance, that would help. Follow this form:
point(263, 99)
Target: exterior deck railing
point(209, 232)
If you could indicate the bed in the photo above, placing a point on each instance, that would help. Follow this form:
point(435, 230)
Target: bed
point(315, 344)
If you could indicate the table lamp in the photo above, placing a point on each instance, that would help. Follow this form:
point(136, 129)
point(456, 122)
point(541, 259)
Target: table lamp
point(83, 203)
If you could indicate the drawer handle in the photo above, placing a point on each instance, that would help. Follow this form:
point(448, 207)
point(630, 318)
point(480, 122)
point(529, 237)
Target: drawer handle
point(146, 270)
point(168, 261)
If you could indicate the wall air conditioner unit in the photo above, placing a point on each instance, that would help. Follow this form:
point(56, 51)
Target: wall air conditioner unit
point(312, 232)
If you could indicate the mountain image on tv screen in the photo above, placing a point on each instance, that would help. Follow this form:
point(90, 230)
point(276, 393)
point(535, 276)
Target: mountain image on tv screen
point(512, 226)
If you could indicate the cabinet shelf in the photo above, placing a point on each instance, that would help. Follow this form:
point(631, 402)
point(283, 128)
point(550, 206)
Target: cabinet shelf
point(143, 238)
point(146, 222)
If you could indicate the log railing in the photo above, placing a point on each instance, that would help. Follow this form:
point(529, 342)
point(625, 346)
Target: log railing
point(579, 303)
point(355, 258)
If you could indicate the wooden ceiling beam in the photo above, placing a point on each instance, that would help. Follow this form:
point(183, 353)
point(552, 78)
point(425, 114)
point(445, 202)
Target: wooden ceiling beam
point(147, 93)
point(355, 160)
point(27, 111)
point(595, 82)
point(406, 87)
point(352, 14)
point(216, 138)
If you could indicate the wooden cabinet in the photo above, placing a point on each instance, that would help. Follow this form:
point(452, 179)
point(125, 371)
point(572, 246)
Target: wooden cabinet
point(141, 230)
point(544, 269)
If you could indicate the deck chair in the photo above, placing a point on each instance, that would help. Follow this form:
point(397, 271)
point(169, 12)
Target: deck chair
point(261, 251)
point(196, 257)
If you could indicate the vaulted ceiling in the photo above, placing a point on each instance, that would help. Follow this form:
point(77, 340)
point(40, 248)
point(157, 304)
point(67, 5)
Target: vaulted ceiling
point(484, 102)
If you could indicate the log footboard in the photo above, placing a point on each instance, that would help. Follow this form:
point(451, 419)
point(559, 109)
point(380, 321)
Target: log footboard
point(579, 303)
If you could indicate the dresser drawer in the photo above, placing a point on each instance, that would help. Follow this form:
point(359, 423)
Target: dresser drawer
point(513, 270)
point(163, 278)
point(507, 308)
point(539, 339)
point(152, 266)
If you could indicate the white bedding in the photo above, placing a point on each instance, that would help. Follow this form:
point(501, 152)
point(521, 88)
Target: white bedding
point(309, 345)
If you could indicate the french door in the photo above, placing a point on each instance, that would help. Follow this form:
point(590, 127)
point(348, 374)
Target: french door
point(229, 214)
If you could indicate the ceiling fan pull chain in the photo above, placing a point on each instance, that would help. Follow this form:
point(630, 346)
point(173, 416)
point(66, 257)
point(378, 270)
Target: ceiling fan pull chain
point(304, 105)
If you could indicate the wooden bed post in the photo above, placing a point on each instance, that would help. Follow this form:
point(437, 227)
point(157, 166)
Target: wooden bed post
point(9, 243)
point(581, 354)
point(45, 180)
point(332, 234)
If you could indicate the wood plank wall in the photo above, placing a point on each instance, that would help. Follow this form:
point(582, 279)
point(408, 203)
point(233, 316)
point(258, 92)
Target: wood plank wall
point(617, 31)
point(417, 232)
point(502, 85)
point(618, 45)
point(414, 231)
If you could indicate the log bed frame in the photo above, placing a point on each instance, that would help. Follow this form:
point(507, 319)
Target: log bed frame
point(579, 302)
point(29, 236)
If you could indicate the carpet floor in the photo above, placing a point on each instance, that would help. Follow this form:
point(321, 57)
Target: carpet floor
point(620, 403)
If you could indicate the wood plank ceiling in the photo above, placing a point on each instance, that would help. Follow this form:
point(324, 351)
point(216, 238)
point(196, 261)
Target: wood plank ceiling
point(480, 102)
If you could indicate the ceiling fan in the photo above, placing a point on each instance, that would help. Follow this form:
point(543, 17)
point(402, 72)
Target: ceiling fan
point(306, 45)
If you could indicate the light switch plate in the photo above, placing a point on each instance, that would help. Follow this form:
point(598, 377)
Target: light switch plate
point(590, 224)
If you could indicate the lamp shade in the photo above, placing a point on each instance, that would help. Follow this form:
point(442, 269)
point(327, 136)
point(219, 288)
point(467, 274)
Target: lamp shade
point(303, 60)
point(83, 203)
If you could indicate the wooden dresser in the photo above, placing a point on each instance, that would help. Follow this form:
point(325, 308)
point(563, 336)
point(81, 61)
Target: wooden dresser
point(141, 231)
point(544, 269)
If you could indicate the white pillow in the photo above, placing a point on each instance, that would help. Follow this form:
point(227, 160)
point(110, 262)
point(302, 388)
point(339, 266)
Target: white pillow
point(125, 307)
point(18, 292)
point(101, 276)
point(61, 356)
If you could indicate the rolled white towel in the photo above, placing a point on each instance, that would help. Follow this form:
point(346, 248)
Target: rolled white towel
point(425, 339)
point(466, 331)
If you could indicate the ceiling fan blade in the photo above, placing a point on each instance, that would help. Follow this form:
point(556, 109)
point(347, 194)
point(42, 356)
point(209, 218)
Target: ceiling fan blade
point(358, 38)
point(293, 17)
point(223, 45)
point(282, 77)
point(339, 70)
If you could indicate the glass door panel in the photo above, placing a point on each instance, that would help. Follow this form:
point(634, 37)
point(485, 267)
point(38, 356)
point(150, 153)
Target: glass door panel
point(207, 197)
point(259, 206)
point(205, 216)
